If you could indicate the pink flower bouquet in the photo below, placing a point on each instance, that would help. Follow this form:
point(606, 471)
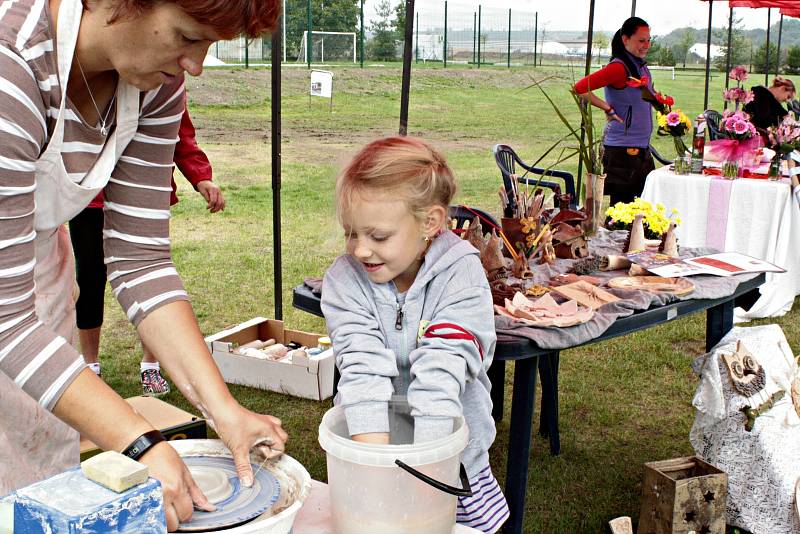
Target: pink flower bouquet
point(738, 95)
point(742, 141)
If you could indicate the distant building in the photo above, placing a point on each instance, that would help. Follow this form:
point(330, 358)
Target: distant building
point(699, 49)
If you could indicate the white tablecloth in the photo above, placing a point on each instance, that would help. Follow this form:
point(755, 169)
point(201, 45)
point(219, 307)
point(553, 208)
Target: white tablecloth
point(763, 221)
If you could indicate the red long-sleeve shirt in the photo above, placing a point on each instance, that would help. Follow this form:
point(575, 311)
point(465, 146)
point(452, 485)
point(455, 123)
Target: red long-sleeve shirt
point(613, 74)
point(189, 158)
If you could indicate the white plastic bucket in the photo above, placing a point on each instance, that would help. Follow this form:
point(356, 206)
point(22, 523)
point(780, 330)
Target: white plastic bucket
point(371, 494)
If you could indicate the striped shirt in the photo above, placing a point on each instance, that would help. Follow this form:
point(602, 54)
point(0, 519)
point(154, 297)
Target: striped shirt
point(487, 509)
point(136, 234)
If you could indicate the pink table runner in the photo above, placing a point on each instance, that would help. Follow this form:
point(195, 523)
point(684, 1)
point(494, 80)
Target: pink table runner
point(719, 196)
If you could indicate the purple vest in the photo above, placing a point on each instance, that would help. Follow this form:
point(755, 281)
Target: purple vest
point(637, 116)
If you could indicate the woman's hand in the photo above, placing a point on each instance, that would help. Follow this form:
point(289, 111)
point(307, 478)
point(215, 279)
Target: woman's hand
point(242, 430)
point(181, 494)
point(611, 115)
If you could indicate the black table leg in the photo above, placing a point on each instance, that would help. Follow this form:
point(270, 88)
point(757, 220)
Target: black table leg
point(519, 443)
point(719, 321)
point(497, 376)
point(548, 418)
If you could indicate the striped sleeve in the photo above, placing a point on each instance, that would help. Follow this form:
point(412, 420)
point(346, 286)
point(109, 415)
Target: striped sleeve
point(42, 363)
point(136, 232)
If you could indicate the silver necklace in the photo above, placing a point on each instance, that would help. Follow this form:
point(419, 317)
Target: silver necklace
point(103, 119)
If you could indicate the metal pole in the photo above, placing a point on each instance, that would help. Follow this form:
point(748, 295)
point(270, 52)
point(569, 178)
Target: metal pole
point(444, 55)
point(276, 172)
point(766, 61)
point(416, 46)
point(535, 36)
point(633, 8)
point(406, 86)
point(780, 34)
point(474, 36)
point(509, 39)
point(246, 52)
point(283, 26)
point(708, 54)
point(361, 39)
point(479, 36)
point(727, 54)
point(308, 33)
point(589, 37)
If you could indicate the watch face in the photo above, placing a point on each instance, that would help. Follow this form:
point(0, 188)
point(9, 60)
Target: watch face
point(242, 504)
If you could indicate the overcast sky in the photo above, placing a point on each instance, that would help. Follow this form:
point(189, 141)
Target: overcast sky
point(663, 17)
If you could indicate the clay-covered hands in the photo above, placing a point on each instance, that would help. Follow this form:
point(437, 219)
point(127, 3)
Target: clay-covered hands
point(213, 195)
point(181, 494)
point(242, 430)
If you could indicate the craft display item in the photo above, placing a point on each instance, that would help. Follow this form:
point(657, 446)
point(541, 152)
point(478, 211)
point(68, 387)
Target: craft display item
point(653, 284)
point(636, 239)
point(614, 263)
point(502, 290)
point(255, 344)
point(274, 351)
point(521, 269)
point(747, 375)
point(473, 234)
point(681, 496)
point(587, 294)
point(569, 278)
point(544, 311)
point(536, 290)
point(492, 258)
point(669, 243)
point(586, 265)
point(751, 413)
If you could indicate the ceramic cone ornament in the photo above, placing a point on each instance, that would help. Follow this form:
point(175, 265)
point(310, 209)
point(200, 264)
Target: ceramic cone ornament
point(636, 236)
point(669, 243)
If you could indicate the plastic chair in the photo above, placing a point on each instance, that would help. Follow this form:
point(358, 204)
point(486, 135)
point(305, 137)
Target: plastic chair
point(713, 119)
point(463, 214)
point(661, 159)
point(508, 160)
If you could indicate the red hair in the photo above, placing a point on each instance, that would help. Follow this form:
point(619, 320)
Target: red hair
point(229, 18)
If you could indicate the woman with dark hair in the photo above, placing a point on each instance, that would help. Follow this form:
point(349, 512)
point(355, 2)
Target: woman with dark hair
point(91, 99)
point(766, 109)
point(626, 160)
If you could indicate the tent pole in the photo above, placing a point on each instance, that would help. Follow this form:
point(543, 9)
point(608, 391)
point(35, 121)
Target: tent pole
point(780, 34)
point(708, 54)
point(407, 52)
point(633, 8)
point(589, 37)
point(766, 55)
point(275, 104)
point(728, 54)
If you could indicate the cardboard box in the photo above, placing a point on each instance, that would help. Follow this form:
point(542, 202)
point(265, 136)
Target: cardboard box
point(309, 378)
point(173, 422)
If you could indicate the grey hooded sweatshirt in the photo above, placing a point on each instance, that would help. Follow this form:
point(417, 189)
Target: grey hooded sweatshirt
point(381, 349)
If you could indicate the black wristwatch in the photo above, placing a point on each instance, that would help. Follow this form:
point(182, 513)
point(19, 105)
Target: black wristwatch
point(143, 443)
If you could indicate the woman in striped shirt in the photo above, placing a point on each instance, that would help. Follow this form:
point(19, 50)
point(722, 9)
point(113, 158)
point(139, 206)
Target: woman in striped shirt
point(98, 109)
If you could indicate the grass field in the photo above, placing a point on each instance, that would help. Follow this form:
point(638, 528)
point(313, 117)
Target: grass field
point(623, 402)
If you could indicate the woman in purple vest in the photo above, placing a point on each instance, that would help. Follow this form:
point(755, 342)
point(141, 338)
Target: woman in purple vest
point(626, 160)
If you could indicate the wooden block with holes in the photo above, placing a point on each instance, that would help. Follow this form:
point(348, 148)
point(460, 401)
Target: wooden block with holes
point(683, 495)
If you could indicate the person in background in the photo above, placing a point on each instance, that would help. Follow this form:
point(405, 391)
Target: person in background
point(766, 109)
point(86, 234)
point(409, 312)
point(626, 159)
point(91, 98)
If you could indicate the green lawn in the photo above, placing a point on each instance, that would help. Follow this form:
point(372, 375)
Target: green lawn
point(622, 402)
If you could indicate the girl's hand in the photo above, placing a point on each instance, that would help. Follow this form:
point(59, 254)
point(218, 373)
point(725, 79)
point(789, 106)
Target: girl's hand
point(242, 430)
point(379, 438)
point(181, 494)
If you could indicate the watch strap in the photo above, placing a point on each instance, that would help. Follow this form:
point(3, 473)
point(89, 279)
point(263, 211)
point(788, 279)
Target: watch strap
point(143, 443)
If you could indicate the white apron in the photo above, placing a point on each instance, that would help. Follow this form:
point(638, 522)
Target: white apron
point(39, 443)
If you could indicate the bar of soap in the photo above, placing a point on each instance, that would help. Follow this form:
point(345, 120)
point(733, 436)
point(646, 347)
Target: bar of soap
point(69, 503)
point(114, 470)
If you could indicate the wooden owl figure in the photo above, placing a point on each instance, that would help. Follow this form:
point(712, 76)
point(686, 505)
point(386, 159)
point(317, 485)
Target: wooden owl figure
point(747, 375)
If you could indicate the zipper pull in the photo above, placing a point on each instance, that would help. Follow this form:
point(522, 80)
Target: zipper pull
point(398, 322)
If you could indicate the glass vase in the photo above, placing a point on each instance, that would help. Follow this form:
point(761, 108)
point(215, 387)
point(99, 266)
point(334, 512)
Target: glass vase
point(680, 146)
point(775, 167)
point(595, 185)
point(730, 169)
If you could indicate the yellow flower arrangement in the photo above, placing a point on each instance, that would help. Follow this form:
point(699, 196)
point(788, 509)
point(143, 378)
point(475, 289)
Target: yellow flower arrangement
point(656, 221)
point(675, 124)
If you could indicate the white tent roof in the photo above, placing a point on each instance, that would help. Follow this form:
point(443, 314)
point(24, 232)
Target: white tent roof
point(211, 61)
point(700, 50)
point(554, 47)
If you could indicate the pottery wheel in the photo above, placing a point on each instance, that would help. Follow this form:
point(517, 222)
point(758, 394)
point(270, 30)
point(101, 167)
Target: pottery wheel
point(241, 504)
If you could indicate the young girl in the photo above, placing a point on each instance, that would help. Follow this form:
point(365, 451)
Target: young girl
point(409, 312)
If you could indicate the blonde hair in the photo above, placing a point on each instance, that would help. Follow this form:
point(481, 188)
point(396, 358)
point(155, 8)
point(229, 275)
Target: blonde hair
point(403, 168)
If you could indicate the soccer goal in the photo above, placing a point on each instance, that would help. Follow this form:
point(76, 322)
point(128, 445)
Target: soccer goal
point(328, 46)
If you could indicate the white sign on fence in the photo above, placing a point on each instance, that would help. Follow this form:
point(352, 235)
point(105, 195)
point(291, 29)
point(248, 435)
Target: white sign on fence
point(321, 83)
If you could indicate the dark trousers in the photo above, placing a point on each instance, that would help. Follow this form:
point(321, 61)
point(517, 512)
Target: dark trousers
point(626, 172)
point(86, 233)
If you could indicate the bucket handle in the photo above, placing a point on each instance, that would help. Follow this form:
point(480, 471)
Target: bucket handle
point(464, 491)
